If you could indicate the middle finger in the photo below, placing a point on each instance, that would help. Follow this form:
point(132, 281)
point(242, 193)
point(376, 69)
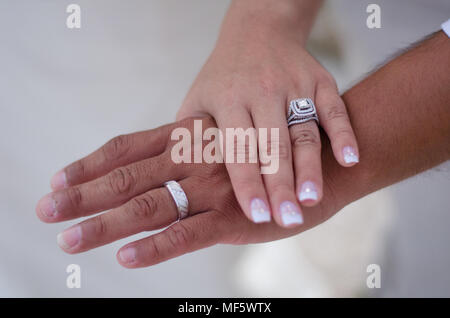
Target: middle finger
point(149, 211)
point(279, 185)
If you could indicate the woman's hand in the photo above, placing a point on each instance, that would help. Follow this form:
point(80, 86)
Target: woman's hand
point(258, 66)
point(127, 175)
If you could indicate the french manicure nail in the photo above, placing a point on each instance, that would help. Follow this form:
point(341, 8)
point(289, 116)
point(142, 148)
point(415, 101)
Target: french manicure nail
point(350, 155)
point(290, 214)
point(308, 191)
point(69, 238)
point(259, 210)
point(128, 255)
point(47, 206)
point(59, 181)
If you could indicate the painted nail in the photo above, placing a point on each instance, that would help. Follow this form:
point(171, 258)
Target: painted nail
point(290, 214)
point(59, 181)
point(308, 191)
point(128, 255)
point(260, 212)
point(47, 206)
point(69, 238)
point(350, 155)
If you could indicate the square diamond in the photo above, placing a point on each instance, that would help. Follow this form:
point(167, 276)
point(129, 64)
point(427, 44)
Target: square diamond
point(302, 103)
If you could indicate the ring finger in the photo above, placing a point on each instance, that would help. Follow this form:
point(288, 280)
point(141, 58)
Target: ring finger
point(305, 139)
point(306, 145)
point(149, 211)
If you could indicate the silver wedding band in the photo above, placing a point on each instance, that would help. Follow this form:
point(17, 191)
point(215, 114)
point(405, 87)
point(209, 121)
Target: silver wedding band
point(179, 197)
point(301, 110)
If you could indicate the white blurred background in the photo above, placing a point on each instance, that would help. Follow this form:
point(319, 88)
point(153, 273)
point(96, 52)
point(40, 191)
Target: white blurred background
point(65, 92)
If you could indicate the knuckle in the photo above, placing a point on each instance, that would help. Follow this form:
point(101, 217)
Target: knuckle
point(75, 197)
point(75, 171)
point(153, 249)
point(229, 99)
point(279, 188)
point(100, 226)
point(235, 238)
point(179, 236)
point(302, 137)
point(116, 147)
point(246, 150)
point(121, 180)
point(268, 84)
point(345, 132)
point(284, 150)
point(246, 182)
point(336, 112)
point(208, 172)
point(143, 207)
point(280, 148)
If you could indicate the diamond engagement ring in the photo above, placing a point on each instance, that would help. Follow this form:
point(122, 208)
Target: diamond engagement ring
point(180, 198)
point(300, 111)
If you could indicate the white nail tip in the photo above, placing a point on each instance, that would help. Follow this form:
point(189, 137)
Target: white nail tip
point(260, 212)
point(308, 196)
point(350, 155)
point(260, 217)
point(351, 159)
point(289, 219)
point(290, 214)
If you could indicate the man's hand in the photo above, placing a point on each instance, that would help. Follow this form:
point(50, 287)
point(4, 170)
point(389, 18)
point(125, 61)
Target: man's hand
point(127, 176)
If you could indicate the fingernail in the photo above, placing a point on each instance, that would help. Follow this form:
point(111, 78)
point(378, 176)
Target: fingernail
point(47, 206)
point(59, 181)
point(308, 191)
point(290, 214)
point(260, 212)
point(69, 238)
point(128, 255)
point(350, 155)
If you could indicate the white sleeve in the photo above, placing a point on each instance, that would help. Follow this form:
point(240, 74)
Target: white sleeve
point(446, 27)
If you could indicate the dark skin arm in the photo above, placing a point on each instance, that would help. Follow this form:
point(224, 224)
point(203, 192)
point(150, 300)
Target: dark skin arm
point(402, 116)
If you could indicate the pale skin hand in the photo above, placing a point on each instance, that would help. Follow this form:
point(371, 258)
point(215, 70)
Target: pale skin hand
point(403, 129)
point(258, 65)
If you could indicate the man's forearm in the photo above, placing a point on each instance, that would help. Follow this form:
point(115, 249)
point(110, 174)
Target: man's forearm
point(401, 117)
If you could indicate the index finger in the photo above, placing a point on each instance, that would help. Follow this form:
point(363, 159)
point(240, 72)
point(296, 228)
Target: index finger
point(119, 151)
